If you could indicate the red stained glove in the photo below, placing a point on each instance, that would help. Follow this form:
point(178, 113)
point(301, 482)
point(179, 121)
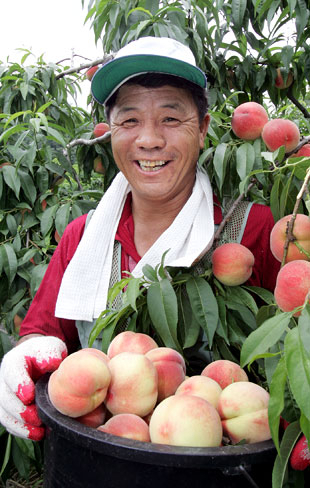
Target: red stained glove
point(300, 457)
point(20, 369)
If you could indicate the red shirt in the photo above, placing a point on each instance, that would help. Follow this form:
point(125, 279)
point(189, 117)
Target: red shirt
point(40, 318)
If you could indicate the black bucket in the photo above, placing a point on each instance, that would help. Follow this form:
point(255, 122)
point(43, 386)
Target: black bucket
point(77, 456)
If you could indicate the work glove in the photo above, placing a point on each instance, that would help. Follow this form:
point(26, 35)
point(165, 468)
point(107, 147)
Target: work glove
point(300, 457)
point(20, 369)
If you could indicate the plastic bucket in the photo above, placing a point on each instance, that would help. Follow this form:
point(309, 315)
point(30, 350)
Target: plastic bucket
point(77, 456)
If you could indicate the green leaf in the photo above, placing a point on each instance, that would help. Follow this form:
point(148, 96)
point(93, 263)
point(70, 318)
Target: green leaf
point(7, 454)
point(298, 369)
point(262, 293)
point(304, 328)
point(11, 223)
point(56, 136)
point(47, 219)
point(163, 310)
point(28, 185)
point(245, 159)
point(36, 277)
point(289, 439)
point(9, 261)
point(305, 425)
point(149, 273)
point(62, 217)
point(276, 400)
point(132, 292)
point(238, 8)
point(261, 339)
point(204, 305)
point(219, 163)
point(241, 296)
point(11, 178)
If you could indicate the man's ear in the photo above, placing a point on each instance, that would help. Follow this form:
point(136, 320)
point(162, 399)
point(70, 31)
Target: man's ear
point(203, 130)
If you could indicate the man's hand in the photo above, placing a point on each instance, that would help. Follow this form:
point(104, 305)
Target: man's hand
point(20, 369)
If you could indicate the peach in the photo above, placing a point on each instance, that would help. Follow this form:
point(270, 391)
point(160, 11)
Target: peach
point(170, 366)
point(100, 129)
point(248, 120)
point(279, 81)
point(95, 418)
point(224, 372)
point(186, 420)
point(91, 71)
point(127, 425)
point(232, 263)
point(301, 232)
point(243, 407)
point(129, 341)
point(98, 166)
point(133, 387)
point(80, 383)
point(281, 132)
point(304, 151)
point(292, 285)
point(201, 386)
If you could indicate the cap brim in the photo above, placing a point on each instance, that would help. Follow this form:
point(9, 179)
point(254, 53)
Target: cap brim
point(114, 73)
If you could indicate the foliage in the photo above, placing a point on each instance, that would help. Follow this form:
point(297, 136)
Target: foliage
point(239, 44)
point(46, 180)
point(43, 184)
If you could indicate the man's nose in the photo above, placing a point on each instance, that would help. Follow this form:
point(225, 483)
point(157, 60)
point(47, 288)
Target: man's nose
point(150, 136)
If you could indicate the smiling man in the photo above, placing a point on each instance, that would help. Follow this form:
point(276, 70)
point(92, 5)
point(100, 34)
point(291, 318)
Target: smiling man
point(156, 105)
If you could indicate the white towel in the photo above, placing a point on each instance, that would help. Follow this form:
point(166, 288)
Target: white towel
point(84, 287)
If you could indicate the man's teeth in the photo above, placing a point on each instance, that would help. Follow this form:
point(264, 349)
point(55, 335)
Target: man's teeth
point(150, 165)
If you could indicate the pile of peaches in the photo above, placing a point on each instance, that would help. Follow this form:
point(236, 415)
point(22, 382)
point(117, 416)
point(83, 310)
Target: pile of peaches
point(140, 391)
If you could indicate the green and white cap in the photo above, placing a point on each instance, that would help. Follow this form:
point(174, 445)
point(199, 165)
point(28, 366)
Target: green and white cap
point(146, 55)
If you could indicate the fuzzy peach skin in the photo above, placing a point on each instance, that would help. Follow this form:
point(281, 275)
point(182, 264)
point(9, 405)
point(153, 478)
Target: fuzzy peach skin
point(248, 120)
point(292, 285)
point(224, 372)
point(281, 132)
point(134, 384)
point(304, 151)
point(201, 386)
point(127, 425)
point(80, 383)
point(243, 407)
point(170, 366)
point(186, 420)
point(301, 232)
point(232, 263)
point(95, 418)
point(129, 341)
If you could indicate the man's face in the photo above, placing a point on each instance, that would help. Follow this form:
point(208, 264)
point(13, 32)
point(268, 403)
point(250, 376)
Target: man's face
point(156, 138)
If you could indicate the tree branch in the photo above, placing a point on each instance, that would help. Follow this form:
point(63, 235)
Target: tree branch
point(290, 225)
point(88, 142)
point(83, 66)
point(294, 100)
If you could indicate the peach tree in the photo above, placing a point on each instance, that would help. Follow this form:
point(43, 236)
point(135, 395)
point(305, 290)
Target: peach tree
point(251, 52)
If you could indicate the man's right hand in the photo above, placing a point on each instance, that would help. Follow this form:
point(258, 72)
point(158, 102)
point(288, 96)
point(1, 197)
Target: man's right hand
point(20, 369)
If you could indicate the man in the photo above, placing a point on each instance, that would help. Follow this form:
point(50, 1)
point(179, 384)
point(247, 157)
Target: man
point(156, 105)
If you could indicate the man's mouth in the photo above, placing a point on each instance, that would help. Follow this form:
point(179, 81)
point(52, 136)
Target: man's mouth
point(146, 165)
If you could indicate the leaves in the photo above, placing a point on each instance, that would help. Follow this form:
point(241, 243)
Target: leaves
point(163, 310)
point(204, 305)
point(262, 339)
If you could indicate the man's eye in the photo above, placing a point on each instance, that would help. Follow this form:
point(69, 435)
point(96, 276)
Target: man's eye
point(170, 119)
point(131, 121)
